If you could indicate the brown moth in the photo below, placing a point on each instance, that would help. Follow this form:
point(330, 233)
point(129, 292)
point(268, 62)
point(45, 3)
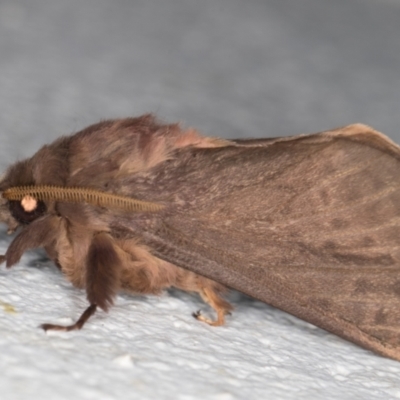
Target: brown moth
point(309, 224)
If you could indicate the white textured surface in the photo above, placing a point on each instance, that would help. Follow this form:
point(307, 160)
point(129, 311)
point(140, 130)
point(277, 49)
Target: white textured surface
point(151, 347)
point(231, 68)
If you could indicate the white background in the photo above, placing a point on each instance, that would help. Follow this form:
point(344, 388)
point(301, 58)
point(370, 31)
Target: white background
point(230, 68)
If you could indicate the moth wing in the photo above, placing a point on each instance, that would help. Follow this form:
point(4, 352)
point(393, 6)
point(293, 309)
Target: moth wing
point(309, 224)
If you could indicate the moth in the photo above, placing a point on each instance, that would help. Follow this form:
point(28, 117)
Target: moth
point(309, 224)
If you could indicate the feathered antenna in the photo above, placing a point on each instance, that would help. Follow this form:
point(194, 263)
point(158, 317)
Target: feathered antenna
point(78, 195)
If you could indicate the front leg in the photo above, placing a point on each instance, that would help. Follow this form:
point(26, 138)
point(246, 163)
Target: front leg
point(103, 267)
point(77, 325)
point(39, 233)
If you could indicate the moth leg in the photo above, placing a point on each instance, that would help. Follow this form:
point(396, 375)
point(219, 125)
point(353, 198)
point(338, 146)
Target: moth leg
point(2, 259)
point(78, 324)
point(221, 307)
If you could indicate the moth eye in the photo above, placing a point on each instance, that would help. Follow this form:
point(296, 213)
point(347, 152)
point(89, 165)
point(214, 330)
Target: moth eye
point(27, 210)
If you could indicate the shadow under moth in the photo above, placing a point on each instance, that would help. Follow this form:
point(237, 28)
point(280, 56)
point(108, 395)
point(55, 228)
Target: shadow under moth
point(309, 224)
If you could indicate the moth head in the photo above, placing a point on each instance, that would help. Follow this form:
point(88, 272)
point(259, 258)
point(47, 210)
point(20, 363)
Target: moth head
point(27, 209)
point(21, 211)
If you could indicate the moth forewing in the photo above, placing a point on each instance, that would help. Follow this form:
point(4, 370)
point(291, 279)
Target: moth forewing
point(309, 223)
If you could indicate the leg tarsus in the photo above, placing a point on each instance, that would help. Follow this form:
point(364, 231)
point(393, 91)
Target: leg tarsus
point(196, 314)
point(221, 306)
point(218, 322)
point(78, 324)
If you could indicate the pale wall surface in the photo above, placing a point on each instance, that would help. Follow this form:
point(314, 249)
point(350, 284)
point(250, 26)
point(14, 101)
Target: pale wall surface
point(230, 68)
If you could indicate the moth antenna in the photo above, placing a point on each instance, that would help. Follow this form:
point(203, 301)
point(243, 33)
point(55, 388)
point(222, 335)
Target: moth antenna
point(79, 195)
